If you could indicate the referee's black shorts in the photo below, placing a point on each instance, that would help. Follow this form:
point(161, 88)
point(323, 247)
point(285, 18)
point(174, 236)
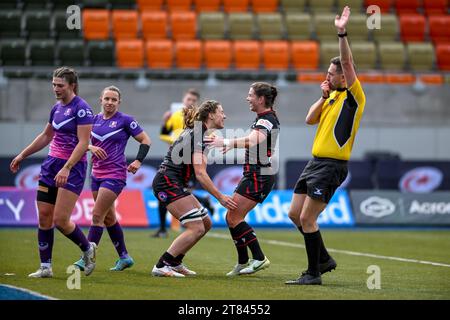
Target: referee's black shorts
point(255, 187)
point(321, 177)
point(168, 187)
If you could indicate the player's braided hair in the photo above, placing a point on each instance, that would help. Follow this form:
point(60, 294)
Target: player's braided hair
point(68, 74)
point(201, 113)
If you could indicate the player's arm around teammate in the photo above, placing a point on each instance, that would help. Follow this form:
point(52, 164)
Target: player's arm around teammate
point(170, 186)
point(258, 179)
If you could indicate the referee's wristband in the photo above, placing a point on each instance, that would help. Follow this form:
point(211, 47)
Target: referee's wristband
point(325, 98)
point(342, 35)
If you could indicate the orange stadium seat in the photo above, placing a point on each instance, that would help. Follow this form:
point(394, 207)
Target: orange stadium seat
point(96, 24)
point(247, 54)
point(305, 54)
point(435, 6)
point(207, 5)
point(275, 55)
point(311, 77)
point(149, 4)
point(235, 5)
point(412, 27)
point(130, 53)
point(159, 54)
point(435, 79)
point(399, 78)
point(385, 5)
point(371, 77)
point(154, 24)
point(439, 26)
point(217, 54)
point(188, 54)
point(443, 56)
point(264, 5)
point(179, 5)
point(125, 24)
point(406, 6)
point(184, 25)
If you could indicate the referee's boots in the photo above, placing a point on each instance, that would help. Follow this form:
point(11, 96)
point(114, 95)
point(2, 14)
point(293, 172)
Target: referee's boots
point(327, 266)
point(306, 278)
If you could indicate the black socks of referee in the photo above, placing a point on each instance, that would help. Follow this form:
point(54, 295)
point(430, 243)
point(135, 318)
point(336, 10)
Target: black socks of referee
point(323, 256)
point(312, 243)
point(244, 236)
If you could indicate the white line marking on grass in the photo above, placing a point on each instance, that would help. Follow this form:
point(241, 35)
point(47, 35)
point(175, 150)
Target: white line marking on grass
point(351, 253)
point(34, 293)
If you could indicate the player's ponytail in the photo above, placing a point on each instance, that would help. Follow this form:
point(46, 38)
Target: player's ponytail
point(266, 90)
point(189, 114)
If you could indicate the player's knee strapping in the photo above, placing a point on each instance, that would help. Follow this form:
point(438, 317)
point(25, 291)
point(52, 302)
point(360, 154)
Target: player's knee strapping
point(193, 215)
point(243, 234)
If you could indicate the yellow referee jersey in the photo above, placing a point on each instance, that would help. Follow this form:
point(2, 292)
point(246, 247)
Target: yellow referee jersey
point(173, 127)
point(339, 122)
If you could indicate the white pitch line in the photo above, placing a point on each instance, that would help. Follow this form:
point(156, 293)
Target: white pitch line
point(351, 253)
point(34, 293)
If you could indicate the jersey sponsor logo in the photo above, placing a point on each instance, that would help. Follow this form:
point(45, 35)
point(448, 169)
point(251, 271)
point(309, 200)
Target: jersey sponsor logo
point(68, 112)
point(133, 125)
point(113, 124)
point(106, 136)
point(58, 126)
point(377, 207)
point(81, 113)
point(162, 196)
point(421, 180)
point(265, 123)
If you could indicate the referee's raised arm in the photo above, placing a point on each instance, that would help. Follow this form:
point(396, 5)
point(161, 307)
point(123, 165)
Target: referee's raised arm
point(344, 49)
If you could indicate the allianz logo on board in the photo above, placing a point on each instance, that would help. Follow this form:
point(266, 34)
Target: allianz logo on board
point(377, 207)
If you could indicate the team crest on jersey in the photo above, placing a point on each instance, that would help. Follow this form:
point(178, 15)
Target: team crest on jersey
point(113, 124)
point(162, 196)
point(68, 112)
point(265, 123)
point(81, 113)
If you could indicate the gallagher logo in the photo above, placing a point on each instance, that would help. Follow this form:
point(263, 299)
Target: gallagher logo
point(421, 180)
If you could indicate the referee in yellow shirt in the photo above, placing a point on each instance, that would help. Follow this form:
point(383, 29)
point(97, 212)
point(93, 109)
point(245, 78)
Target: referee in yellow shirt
point(338, 113)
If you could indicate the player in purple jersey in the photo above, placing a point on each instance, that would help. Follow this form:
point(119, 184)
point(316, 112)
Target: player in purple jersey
point(110, 135)
point(63, 172)
point(259, 176)
point(186, 160)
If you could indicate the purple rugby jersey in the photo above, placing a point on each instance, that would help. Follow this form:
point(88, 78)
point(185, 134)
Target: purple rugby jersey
point(112, 135)
point(64, 120)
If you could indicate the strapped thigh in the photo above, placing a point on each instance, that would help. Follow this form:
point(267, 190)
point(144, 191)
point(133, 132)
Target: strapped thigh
point(194, 215)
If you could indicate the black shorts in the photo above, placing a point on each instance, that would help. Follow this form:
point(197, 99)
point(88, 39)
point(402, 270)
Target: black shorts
point(46, 193)
point(321, 177)
point(168, 187)
point(255, 187)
